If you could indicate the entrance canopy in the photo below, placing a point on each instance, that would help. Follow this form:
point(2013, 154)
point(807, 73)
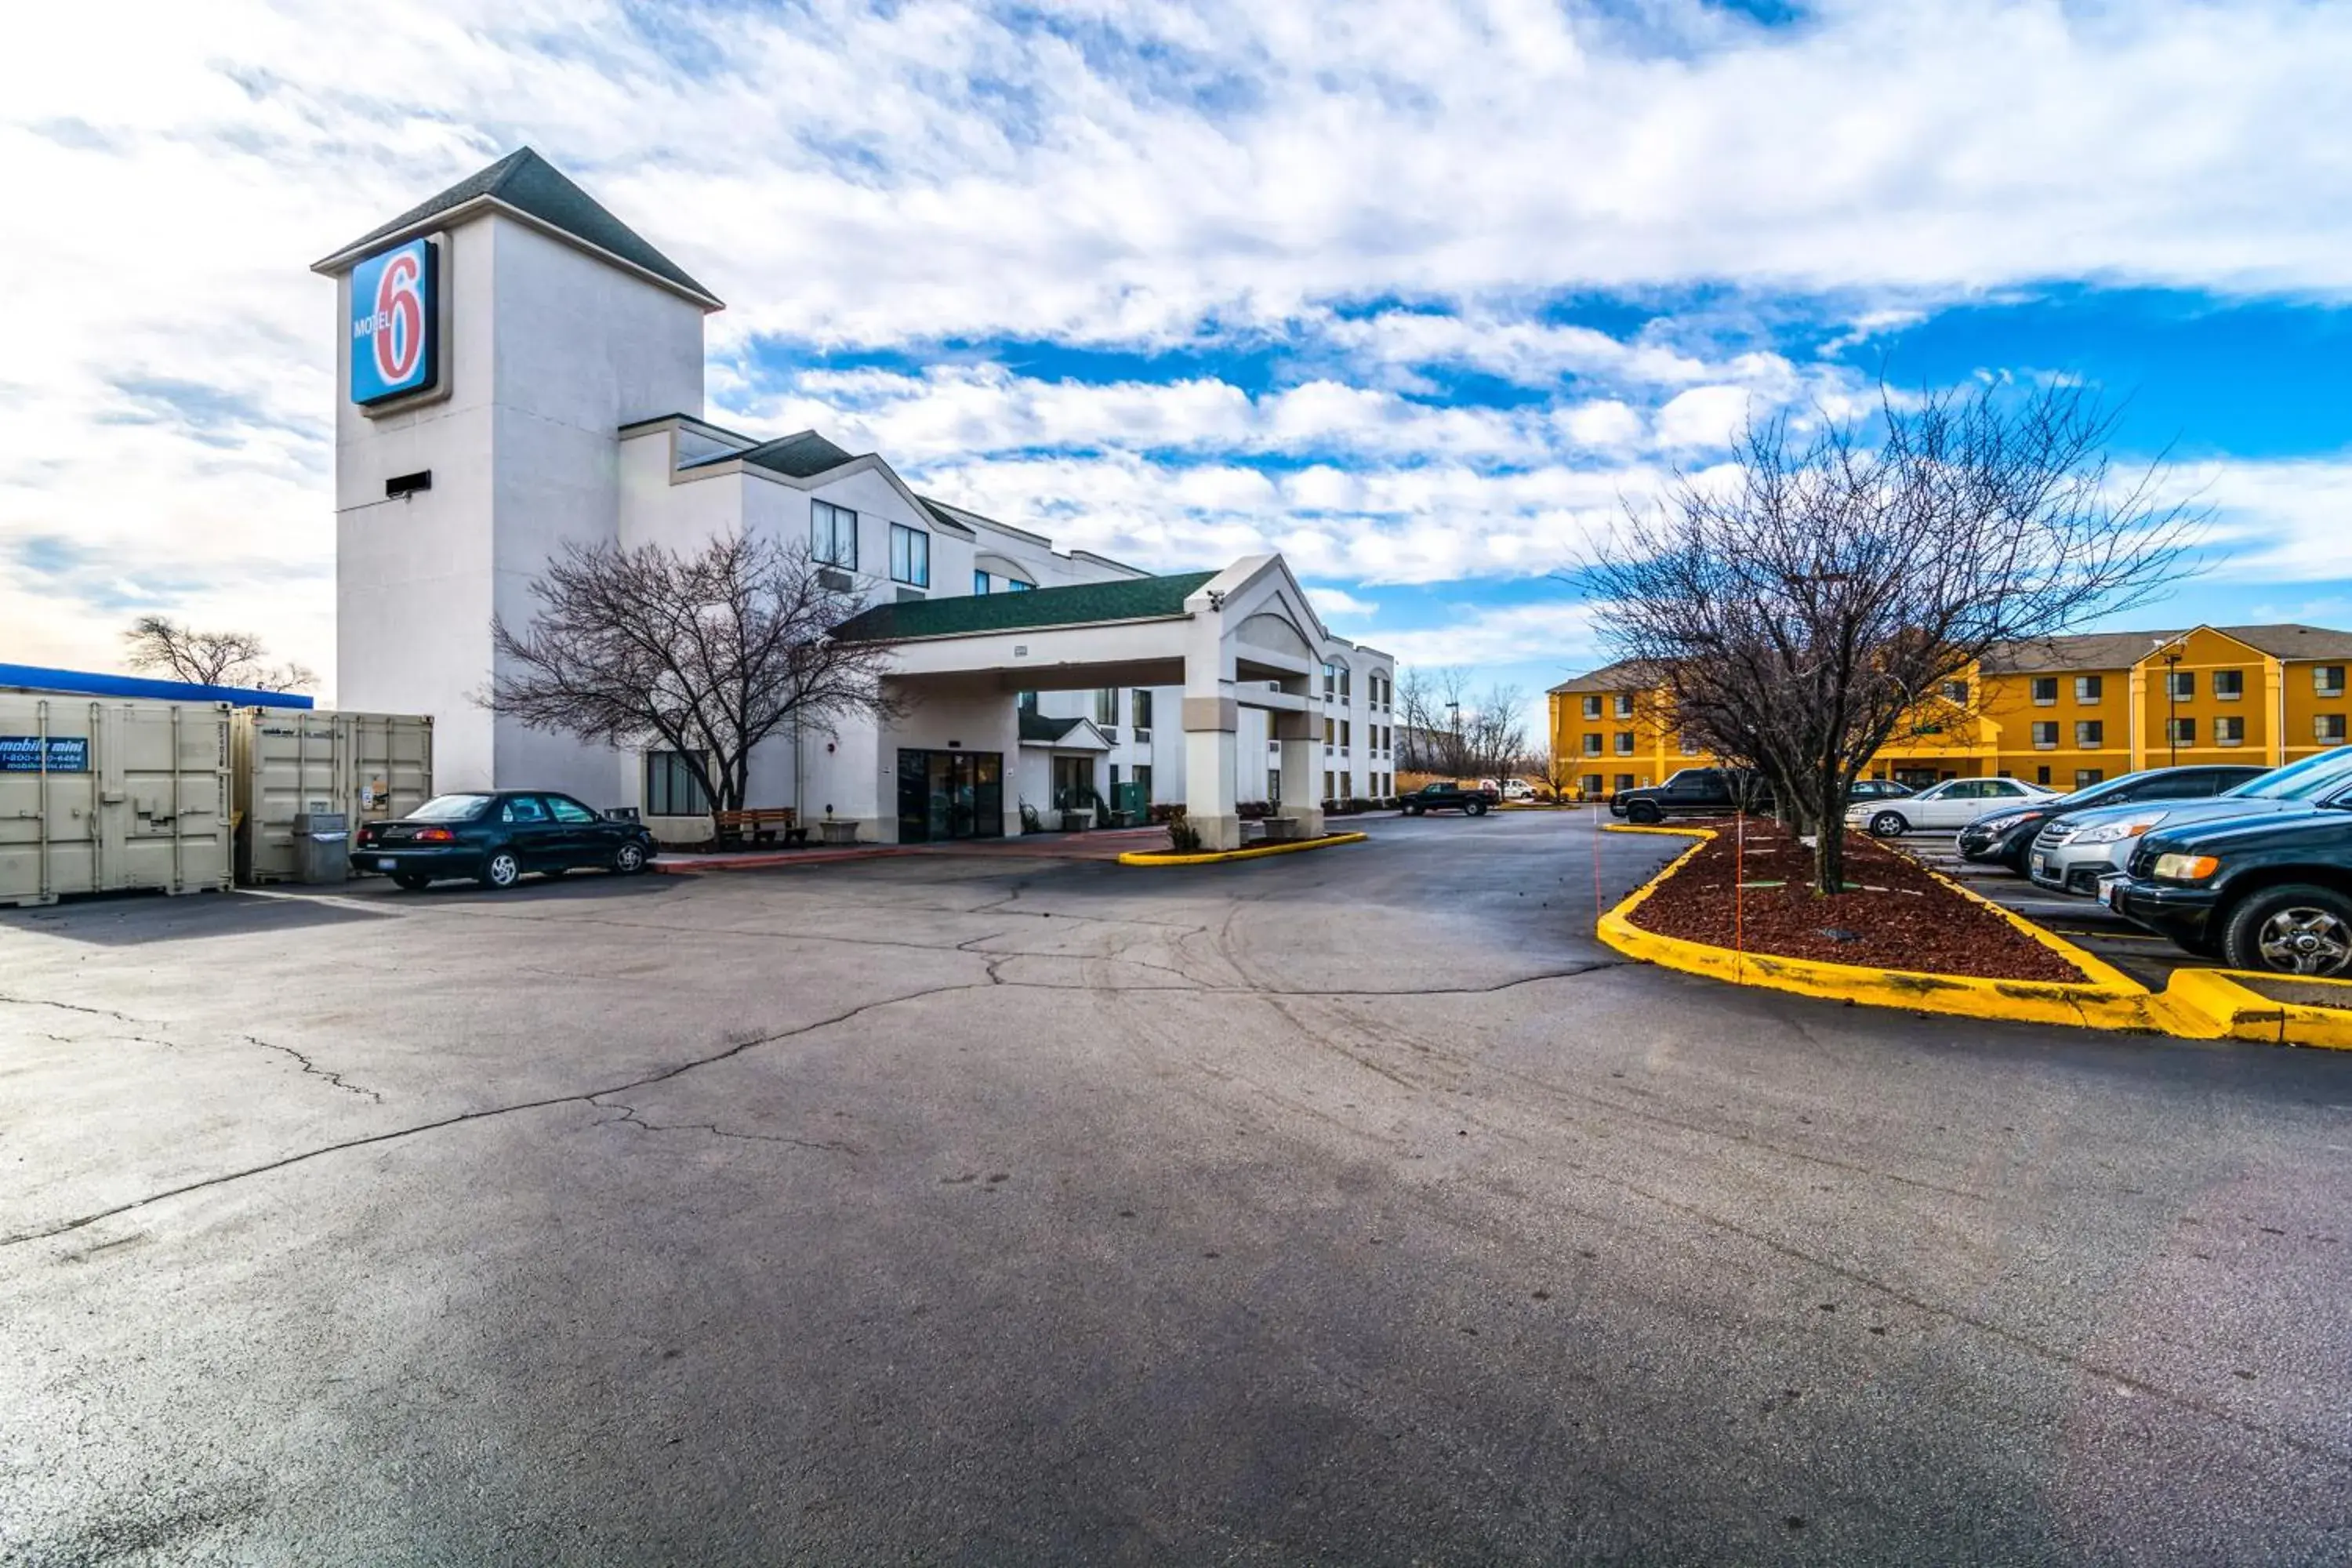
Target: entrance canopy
point(1244, 636)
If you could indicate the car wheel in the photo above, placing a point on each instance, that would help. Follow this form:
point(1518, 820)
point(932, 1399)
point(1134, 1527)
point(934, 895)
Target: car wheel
point(629, 859)
point(503, 870)
point(1413, 811)
point(1644, 812)
point(1889, 825)
point(1477, 808)
point(2293, 930)
point(409, 882)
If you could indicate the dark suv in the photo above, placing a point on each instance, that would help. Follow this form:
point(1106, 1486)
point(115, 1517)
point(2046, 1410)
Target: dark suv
point(2005, 837)
point(1694, 792)
point(2269, 891)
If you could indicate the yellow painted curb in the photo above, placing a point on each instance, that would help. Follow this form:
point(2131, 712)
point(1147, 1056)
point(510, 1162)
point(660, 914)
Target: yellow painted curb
point(1213, 856)
point(2217, 1005)
point(2099, 1004)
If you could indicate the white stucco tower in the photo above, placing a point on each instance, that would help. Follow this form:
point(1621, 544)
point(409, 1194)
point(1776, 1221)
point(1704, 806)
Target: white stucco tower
point(490, 344)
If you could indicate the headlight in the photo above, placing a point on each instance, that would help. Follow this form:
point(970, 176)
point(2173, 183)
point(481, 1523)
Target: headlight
point(2185, 867)
point(2116, 832)
point(2000, 824)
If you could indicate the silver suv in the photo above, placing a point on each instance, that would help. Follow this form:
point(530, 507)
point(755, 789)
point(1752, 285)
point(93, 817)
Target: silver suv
point(2077, 850)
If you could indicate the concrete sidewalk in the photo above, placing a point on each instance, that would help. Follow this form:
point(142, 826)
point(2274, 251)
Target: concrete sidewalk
point(1102, 844)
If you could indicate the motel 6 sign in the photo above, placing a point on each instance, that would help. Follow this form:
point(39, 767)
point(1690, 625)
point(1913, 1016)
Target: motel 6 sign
point(395, 323)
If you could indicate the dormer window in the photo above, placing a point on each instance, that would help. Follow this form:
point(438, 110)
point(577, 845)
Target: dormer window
point(833, 535)
point(910, 556)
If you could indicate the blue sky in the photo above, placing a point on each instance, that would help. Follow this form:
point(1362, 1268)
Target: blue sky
point(1422, 294)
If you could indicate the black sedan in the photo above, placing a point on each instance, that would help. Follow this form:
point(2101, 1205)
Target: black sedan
point(2273, 891)
point(2005, 837)
point(495, 837)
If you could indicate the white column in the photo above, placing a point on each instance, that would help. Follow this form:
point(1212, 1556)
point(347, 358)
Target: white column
point(1209, 805)
point(1301, 736)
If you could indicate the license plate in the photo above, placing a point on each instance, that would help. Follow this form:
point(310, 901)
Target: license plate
point(2041, 865)
point(2107, 891)
point(386, 863)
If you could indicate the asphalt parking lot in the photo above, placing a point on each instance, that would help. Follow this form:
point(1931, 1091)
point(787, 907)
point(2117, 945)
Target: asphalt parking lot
point(1351, 1208)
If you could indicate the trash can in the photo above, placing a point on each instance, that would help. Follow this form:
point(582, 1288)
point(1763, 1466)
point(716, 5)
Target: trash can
point(322, 847)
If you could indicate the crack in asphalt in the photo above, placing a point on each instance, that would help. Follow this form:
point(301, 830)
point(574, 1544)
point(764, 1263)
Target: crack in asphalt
point(588, 1097)
point(629, 1118)
point(314, 1069)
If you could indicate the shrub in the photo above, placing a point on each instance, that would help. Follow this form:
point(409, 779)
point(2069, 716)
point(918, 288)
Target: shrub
point(1165, 812)
point(1254, 810)
point(1182, 837)
point(1358, 802)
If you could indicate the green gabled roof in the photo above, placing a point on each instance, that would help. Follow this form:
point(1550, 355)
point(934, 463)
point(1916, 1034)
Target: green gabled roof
point(529, 183)
point(802, 456)
point(1036, 726)
point(972, 615)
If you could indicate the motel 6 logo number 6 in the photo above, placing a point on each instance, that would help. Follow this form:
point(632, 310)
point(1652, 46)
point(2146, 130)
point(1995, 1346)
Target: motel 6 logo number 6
point(395, 322)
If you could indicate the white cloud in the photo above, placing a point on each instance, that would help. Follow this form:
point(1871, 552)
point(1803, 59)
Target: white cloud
point(1556, 633)
point(1127, 174)
point(1332, 601)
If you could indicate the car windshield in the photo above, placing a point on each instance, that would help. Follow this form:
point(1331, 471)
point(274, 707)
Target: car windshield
point(2299, 781)
point(449, 808)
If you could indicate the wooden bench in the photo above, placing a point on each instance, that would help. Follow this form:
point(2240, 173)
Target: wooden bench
point(760, 825)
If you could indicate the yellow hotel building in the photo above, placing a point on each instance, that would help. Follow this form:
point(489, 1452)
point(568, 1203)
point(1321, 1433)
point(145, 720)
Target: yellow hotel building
point(2065, 712)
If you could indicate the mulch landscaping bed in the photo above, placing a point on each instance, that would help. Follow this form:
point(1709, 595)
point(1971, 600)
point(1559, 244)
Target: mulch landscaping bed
point(1897, 917)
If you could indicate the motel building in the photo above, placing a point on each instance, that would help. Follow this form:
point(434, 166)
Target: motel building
point(520, 370)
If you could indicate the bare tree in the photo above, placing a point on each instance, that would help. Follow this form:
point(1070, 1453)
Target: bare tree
point(1801, 614)
point(706, 654)
point(209, 658)
point(1447, 730)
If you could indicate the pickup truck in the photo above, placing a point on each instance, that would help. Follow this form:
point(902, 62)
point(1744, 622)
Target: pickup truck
point(1694, 792)
point(1472, 800)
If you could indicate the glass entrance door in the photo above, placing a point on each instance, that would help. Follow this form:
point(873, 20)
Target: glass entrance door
point(949, 795)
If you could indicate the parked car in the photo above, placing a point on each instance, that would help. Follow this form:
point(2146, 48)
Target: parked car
point(493, 837)
point(1876, 789)
point(2075, 850)
point(1953, 803)
point(1471, 799)
point(1694, 792)
point(2270, 892)
point(1519, 789)
point(2005, 837)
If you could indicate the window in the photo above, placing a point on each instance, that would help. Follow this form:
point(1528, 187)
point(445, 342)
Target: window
point(980, 582)
point(1138, 708)
point(671, 786)
point(2090, 733)
point(1143, 780)
point(2041, 776)
point(1344, 741)
point(2045, 735)
point(1624, 743)
point(2228, 685)
point(2089, 687)
point(2328, 680)
point(2045, 691)
point(1624, 705)
point(1689, 746)
point(1106, 705)
point(1027, 701)
point(1956, 691)
point(567, 809)
point(1330, 681)
point(1591, 785)
point(833, 535)
point(2329, 729)
point(1017, 585)
point(2183, 732)
point(1329, 791)
point(1592, 707)
point(910, 556)
point(2230, 731)
point(1343, 683)
point(524, 808)
point(2181, 683)
point(1624, 781)
point(2085, 778)
point(1591, 745)
point(1331, 733)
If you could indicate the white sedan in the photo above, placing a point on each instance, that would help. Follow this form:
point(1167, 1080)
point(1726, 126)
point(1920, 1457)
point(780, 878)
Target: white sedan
point(1953, 803)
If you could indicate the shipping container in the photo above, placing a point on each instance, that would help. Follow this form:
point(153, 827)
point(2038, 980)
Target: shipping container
point(368, 766)
point(100, 794)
